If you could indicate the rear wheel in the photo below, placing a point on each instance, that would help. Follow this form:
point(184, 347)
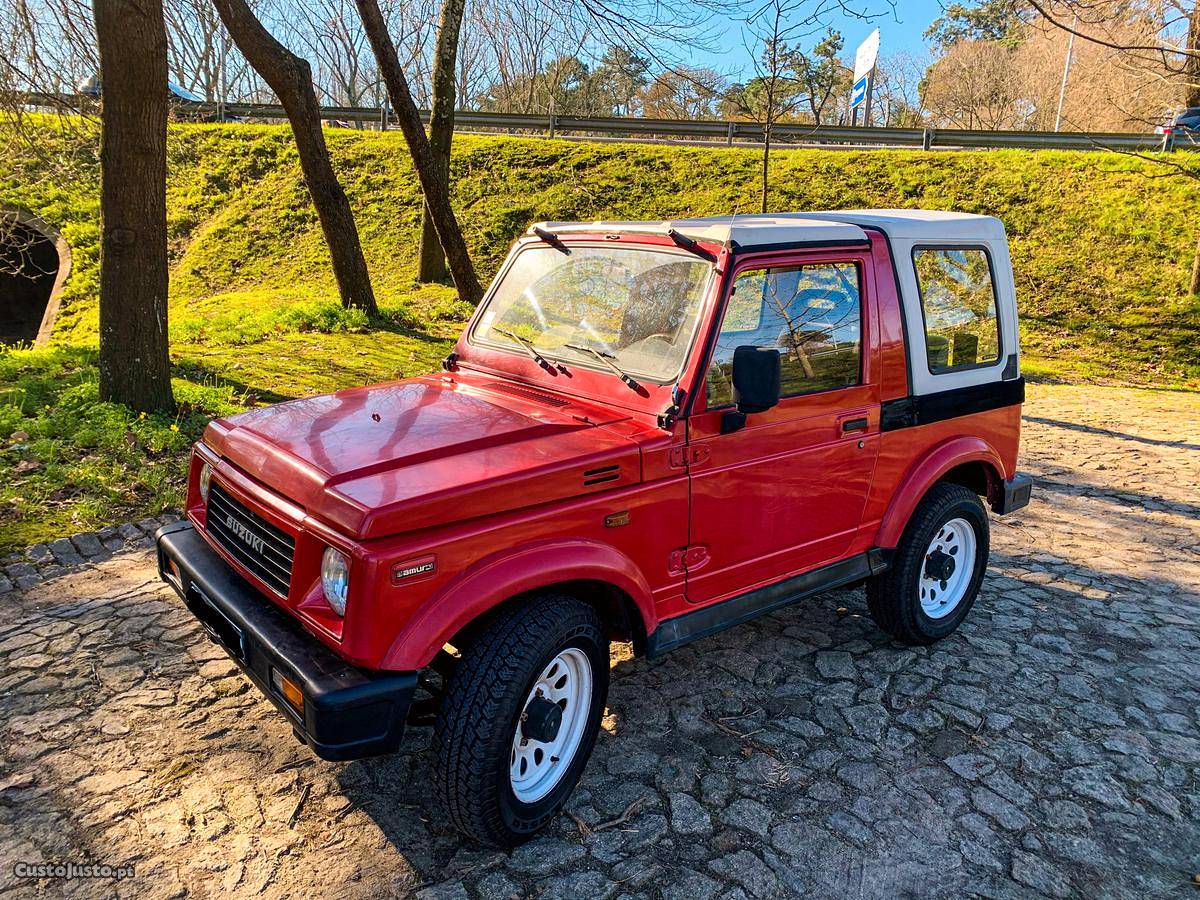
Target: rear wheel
point(937, 568)
point(519, 719)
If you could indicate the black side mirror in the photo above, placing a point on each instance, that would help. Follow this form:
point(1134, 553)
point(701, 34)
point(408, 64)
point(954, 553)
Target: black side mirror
point(756, 384)
point(756, 378)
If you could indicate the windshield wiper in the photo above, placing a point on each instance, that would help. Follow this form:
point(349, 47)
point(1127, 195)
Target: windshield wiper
point(552, 239)
point(686, 243)
point(606, 359)
point(526, 345)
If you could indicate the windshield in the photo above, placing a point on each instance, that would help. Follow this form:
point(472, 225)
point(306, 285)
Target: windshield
point(638, 308)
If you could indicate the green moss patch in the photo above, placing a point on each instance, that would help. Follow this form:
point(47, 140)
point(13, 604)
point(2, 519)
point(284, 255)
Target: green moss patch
point(1101, 248)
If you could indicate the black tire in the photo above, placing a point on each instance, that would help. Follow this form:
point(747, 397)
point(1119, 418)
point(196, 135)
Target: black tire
point(894, 596)
point(473, 736)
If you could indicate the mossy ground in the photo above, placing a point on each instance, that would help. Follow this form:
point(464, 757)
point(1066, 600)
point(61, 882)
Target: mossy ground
point(1101, 247)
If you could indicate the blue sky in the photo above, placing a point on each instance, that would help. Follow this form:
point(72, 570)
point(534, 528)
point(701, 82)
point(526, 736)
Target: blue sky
point(900, 28)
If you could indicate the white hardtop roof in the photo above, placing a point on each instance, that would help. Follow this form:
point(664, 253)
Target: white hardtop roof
point(834, 227)
point(747, 230)
point(920, 224)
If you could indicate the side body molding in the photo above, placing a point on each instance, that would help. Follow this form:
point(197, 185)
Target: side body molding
point(506, 574)
point(925, 472)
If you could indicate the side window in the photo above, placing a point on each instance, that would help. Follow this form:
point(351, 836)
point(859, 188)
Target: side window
point(959, 305)
point(811, 314)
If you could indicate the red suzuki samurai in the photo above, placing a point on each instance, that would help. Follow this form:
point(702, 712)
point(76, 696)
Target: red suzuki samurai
point(648, 432)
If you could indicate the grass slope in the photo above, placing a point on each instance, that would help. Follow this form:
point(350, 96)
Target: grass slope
point(1101, 249)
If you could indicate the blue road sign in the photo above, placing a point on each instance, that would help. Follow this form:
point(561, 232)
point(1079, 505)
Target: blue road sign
point(858, 93)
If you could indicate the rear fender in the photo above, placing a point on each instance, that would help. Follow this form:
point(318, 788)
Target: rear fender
point(925, 474)
point(507, 574)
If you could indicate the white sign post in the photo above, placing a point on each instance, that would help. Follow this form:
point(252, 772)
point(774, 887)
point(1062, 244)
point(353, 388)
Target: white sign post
point(864, 77)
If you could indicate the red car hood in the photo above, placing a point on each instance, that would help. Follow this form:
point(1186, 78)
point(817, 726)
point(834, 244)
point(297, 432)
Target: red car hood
point(385, 459)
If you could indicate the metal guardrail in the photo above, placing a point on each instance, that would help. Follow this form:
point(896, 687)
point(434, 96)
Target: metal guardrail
point(706, 131)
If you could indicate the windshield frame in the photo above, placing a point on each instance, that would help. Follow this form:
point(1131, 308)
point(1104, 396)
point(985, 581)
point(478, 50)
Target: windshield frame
point(578, 360)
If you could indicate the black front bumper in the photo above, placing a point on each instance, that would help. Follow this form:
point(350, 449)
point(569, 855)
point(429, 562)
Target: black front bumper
point(348, 712)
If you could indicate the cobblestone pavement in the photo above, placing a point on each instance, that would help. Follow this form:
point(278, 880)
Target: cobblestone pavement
point(1050, 747)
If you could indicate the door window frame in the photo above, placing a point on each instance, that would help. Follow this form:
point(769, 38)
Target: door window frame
point(859, 257)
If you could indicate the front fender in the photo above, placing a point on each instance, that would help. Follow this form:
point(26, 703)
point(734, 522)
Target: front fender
point(925, 473)
point(506, 574)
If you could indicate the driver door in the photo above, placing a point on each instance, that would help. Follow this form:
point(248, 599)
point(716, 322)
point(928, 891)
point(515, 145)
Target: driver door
point(785, 493)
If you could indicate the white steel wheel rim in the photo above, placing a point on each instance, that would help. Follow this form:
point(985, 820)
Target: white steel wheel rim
point(940, 597)
point(535, 767)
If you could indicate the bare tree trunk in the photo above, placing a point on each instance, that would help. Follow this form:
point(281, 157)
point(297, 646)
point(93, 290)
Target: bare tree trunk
point(433, 183)
point(135, 368)
point(1192, 98)
point(766, 161)
point(290, 77)
point(1191, 91)
point(1196, 271)
point(431, 265)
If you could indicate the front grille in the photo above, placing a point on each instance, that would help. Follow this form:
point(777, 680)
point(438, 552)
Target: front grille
point(258, 545)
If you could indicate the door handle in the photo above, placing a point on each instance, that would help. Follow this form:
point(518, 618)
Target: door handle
point(860, 424)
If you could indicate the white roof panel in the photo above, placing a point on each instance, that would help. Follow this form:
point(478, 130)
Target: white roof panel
point(837, 226)
point(920, 224)
point(747, 230)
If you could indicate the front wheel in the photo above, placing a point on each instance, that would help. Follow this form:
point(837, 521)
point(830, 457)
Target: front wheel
point(937, 568)
point(519, 719)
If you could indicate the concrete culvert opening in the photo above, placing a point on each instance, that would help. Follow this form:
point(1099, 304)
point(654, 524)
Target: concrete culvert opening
point(34, 263)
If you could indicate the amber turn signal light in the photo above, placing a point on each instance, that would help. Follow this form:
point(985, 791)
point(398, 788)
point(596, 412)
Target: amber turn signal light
point(288, 689)
point(173, 573)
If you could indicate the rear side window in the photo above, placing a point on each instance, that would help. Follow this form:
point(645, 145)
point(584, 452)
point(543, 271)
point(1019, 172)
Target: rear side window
point(958, 300)
point(811, 314)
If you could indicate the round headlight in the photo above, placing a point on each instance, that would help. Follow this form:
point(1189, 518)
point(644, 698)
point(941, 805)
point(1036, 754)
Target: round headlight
point(205, 478)
point(335, 579)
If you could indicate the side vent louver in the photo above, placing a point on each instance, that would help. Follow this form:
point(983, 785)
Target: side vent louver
point(601, 475)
